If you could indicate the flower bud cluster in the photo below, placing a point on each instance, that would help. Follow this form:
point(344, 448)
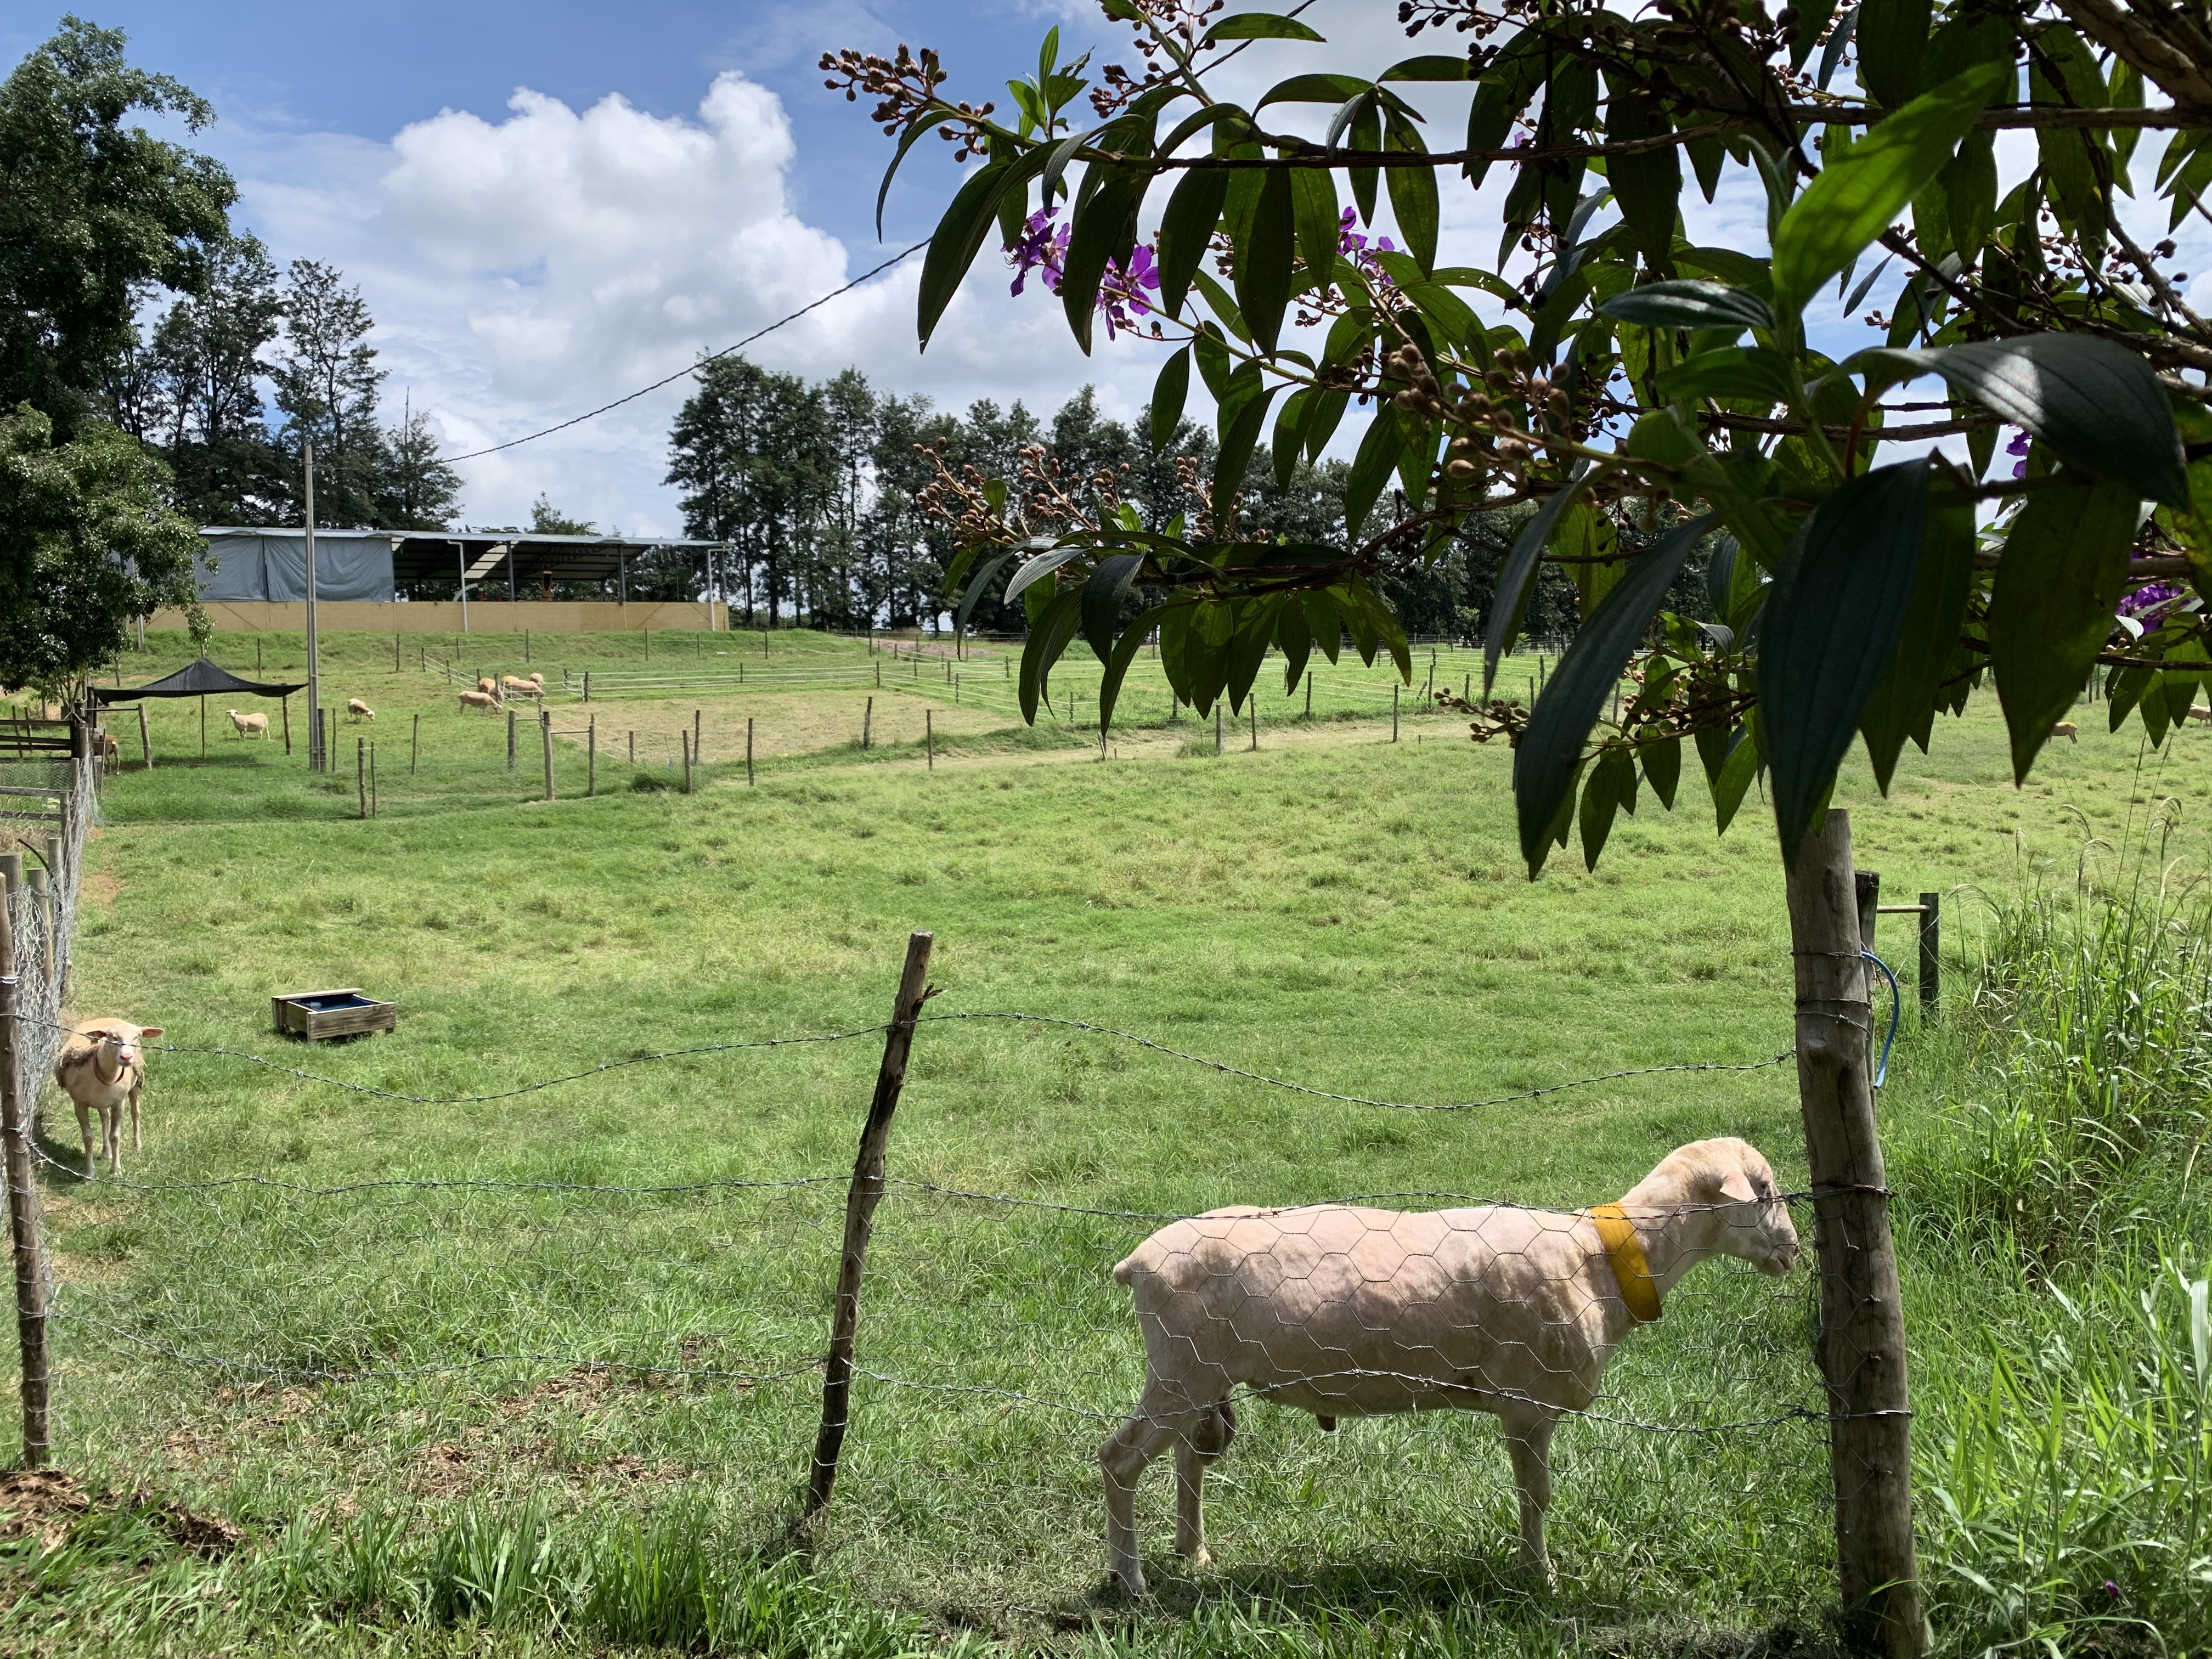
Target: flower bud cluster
point(905, 87)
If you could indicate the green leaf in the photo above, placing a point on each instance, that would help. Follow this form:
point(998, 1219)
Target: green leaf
point(1970, 194)
point(1185, 229)
point(1413, 195)
point(1805, 33)
point(1328, 410)
point(1516, 577)
point(1105, 229)
point(2097, 404)
point(1291, 423)
point(1104, 590)
point(991, 568)
point(1903, 705)
point(1829, 628)
point(1117, 665)
point(1371, 467)
point(1509, 82)
point(1646, 185)
point(1215, 365)
point(1035, 569)
point(1849, 205)
point(1294, 635)
point(1259, 25)
point(1313, 208)
point(1322, 622)
point(1366, 135)
point(1551, 749)
point(1168, 393)
point(1752, 373)
point(1260, 265)
point(1832, 54)
point(1892, 37)
point(1663, 770)
point(1243, 416)
point(959, 236)
point(1049, 632)
point(1737, 773)
point(1687, 302)
point(1320, 88)
point(1611, 788)
point(2058, 582)
point(914, 128)
point(1248, 647)
point(1454, 319)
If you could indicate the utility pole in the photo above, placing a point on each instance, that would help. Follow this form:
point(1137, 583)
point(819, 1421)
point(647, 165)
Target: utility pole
point(316, 759)
point(461, 565)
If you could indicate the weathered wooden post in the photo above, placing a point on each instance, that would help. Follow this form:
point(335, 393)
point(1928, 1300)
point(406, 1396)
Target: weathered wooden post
point(1861, 1347)
point(22, 1189)
point(868, 724)
point(1393, 711)
point(1931, 951)
point(360, 771)
point(145, 738)
point(860, 1200)
point(374, 807)
point(749, 751)
point(545, 731)
point(686, 737)
point(592, 756)
point(929, 738)
point(510, 740)
point(415, 748)
point(1217, 726)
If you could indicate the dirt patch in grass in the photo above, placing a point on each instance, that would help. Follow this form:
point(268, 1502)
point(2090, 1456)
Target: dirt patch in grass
point(47, 1504)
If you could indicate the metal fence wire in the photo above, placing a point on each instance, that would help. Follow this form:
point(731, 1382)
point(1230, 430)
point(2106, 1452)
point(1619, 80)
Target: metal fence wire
point(1399, 1396)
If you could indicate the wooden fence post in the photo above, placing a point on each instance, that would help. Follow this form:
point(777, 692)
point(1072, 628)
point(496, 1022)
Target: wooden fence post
point(510, 740)
point(749, 751)
point(286, 700)
point(1861, 1347)
point(360, 771)
point(203, 728)
point(415, 748)
point(22, 1189)
point(1217, 726)
point(1393, 711)
point(867, 724)
point(374, 807)
point(698, 739)
point(929, 738)
point(145, 738)
point(545, 730)
point(860, 1200)
point(592, 756)
point(1931, 951)
point(686, 737)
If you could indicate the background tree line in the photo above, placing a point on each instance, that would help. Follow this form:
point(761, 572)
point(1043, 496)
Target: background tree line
point(819, 489)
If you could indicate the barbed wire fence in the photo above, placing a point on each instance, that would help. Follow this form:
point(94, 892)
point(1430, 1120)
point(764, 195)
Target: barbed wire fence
point(998, 1321)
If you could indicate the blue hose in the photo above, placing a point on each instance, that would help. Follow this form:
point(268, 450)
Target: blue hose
point(1896, 1011)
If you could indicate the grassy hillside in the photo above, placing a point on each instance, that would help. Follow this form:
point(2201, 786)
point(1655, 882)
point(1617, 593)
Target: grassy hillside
point(1333, 908)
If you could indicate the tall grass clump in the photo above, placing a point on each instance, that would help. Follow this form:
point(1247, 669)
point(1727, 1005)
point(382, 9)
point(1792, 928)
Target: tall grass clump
point(2082, 1126)
point(2055, 1225)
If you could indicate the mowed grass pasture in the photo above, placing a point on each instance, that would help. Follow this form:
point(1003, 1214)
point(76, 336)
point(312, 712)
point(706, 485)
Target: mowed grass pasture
point(539, 1371)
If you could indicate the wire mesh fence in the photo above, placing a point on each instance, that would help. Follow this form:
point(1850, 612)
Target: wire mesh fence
point(1403, 1375)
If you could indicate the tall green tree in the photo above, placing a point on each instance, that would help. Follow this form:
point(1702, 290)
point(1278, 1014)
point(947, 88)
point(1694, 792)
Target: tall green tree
point(88, 541)
point(93, 211)
point(327, 384)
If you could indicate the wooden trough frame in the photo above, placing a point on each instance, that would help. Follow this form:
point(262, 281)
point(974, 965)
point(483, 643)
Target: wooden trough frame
point(319, 1015)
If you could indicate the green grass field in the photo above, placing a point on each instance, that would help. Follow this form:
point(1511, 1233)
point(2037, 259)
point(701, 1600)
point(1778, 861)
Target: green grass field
point(1334, 909)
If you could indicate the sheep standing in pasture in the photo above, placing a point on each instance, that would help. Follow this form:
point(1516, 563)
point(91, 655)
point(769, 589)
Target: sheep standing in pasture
point(249, 726)
point(2067, 730)
point(99, 1068)
point(533, 687)
point(487, 700)
point(1345, 1311)
point(488, 684)
point(111, 752)
point(2201, 712)
point(360, 710)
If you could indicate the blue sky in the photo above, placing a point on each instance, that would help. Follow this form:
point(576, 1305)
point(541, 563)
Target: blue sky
point(549, 204)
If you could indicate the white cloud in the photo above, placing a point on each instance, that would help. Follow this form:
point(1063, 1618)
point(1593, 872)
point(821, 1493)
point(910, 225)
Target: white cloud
point(527, 268)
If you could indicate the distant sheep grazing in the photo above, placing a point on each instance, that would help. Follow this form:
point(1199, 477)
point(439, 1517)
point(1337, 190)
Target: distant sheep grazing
point(99, 1067)
point(2067, 730)
point(487, 700)
point(488, 684)
point(532, 687)
point(1345, 1311)
point(360, 710)
point(2201, 712)
point(249, 726)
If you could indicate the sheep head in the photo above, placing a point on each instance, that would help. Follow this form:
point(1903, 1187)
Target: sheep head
point(116, 1044)
point(1725, 1190)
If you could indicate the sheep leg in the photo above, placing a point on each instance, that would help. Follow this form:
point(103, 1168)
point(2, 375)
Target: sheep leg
point(110, 1123)
point(84, 1129)
point(1528, 1437)
point(1206, 1442)
point(137, 1138)
point(1122, 1459)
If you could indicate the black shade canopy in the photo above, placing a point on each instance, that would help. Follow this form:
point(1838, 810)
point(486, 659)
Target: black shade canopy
point(202, 679)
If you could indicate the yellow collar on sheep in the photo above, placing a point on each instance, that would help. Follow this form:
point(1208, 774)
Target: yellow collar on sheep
point(1626, 1251)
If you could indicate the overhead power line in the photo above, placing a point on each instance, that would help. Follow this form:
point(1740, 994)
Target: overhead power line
point(594, 414)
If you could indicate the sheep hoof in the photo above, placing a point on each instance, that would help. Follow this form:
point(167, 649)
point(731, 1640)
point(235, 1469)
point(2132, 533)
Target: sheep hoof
point(1130, 1583)
point(1327, 1424)
point(1201, 1556)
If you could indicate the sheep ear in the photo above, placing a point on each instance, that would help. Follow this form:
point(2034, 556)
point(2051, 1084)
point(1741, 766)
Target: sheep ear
point(1737, 1186)
point(149, 1031)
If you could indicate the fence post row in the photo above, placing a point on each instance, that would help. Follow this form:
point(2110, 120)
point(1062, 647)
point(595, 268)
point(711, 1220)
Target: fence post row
point(860, 1200)
point(1860, 1346)
point(22, 1189)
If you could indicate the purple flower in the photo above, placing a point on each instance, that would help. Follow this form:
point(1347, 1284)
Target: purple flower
point(2019, 446)
point(1122, 290)
point(1042, 244)
point(1355, 246)
point(2112, 1589)
point(2151, 597)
